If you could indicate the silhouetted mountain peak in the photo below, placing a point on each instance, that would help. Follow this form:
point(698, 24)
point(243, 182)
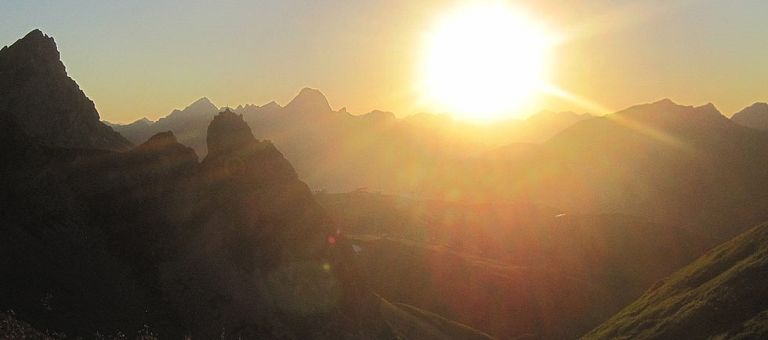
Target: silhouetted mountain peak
point(228, 132)
point(665, 112)
point(309, 101)
point(755, 116)
point(36, 52)
point(201, 105)
point(45, 102)
point(38, 46)
point(201, 108)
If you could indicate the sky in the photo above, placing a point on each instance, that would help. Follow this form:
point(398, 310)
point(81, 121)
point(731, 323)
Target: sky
point(143, 58)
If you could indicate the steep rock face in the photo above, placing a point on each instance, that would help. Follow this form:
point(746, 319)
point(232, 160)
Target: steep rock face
point(46, 103)
point(112, 241)
point(83, 231)
point(754, 116)
point(228, 133)
point(256, 252)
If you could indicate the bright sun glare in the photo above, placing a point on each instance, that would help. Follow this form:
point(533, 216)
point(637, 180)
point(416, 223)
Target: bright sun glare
point(485, 62)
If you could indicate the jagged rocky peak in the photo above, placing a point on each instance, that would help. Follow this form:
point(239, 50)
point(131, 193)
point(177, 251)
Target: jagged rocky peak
point(309, 101)
point(45, 102)
point(227, 133)
point(38, 48)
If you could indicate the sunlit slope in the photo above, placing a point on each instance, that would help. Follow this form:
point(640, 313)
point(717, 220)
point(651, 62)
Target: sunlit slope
point(723, 294)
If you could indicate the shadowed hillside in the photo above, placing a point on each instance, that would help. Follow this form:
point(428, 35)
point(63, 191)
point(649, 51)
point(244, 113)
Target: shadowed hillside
point(508, 269)
point(151, 241)
point(101, 241)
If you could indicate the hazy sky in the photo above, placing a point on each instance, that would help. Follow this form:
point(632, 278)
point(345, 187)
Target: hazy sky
point(145, 57)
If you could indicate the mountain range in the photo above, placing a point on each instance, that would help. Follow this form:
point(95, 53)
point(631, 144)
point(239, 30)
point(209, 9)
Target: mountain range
point(151, 241)
point(754, 116)
point(338, 151)
point(544, 228)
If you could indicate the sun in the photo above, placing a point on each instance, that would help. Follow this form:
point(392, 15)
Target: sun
point(484, 62)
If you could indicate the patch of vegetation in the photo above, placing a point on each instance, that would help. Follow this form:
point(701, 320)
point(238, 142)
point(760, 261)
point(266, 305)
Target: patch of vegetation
point(722, 294)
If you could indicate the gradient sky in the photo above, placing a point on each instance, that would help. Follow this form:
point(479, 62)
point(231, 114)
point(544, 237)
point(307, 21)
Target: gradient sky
point(146, 57)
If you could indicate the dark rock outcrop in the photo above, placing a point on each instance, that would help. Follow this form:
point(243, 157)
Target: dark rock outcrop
point(228, 133)
point(45, 102)
point(112, 241)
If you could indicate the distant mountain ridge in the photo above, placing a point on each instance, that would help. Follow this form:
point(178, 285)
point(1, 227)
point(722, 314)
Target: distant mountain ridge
point(755, 116)
point(338, 151)
point(45, 102)
point(670, 163)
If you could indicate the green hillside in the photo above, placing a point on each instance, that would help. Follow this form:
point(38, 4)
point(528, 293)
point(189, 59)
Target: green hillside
point(723, 294)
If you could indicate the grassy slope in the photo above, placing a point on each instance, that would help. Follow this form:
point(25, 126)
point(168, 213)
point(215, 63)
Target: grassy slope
point(722, 294)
